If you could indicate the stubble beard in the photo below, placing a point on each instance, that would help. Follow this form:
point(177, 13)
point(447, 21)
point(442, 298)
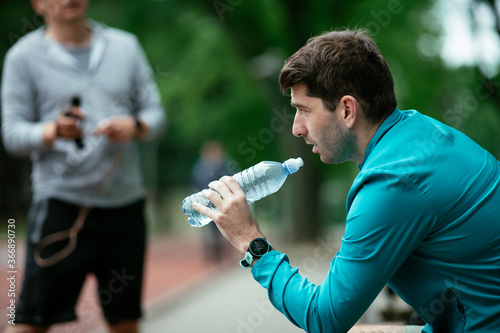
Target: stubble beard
point(341, 147)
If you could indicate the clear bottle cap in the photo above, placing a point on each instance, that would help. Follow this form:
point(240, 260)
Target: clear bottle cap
point(293, 164)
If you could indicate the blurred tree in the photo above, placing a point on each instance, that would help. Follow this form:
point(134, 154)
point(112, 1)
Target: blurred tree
point(488, 80)
point(17, 19)
point(217, 62)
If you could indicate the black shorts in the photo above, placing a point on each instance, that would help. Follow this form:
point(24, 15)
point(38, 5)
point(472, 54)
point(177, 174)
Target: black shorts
point(110, 245)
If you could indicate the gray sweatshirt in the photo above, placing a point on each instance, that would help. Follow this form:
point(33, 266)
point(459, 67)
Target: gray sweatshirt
point(41, 76)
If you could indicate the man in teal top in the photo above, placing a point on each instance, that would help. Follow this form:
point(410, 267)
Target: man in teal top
point(423, 214)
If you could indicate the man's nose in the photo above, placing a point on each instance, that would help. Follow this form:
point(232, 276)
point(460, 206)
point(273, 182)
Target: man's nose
point(298, 129)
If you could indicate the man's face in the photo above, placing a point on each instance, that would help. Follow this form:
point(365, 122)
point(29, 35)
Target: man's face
point(61, 10)
point(332, 140)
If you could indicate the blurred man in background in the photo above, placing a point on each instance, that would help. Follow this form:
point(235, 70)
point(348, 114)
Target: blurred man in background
point(422, 214)
point(76, 96)
point(212, 165)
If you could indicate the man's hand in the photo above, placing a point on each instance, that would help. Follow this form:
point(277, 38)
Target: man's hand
point(66, 126)
point(233, 216)
point(68, 123)
point(121, 129)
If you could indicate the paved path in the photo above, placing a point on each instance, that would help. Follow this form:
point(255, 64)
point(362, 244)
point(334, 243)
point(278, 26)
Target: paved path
point(233, 302)
point(174, 265)
point(185, 294)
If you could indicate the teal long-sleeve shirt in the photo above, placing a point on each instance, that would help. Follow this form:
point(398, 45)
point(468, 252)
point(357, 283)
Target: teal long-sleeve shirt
point(423, 215)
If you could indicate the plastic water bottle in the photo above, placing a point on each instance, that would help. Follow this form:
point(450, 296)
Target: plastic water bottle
point(257, 182)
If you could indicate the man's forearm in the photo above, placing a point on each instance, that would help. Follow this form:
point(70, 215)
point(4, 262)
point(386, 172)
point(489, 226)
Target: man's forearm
point(50, 133)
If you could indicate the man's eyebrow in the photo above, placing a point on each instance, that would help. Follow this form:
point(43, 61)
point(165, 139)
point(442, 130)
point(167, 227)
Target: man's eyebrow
point(298, 105)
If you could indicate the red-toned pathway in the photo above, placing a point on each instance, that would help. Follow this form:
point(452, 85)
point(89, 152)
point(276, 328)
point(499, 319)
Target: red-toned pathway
point(174, 265)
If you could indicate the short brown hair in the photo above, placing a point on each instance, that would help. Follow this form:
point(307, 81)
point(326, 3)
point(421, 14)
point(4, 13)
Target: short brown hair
point(339, 63)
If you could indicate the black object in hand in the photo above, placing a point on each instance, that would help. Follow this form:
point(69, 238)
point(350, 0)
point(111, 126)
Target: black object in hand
point(75, 101)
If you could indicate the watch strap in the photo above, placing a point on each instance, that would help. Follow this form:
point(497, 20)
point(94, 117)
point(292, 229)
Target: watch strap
point(246, 262)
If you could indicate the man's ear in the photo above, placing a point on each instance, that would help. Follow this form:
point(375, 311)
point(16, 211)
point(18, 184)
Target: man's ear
point(37, 7)
point(349, 108)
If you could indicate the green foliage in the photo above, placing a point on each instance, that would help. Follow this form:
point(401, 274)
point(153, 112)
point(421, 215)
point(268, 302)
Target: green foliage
point(203, 55)
point(206, 87)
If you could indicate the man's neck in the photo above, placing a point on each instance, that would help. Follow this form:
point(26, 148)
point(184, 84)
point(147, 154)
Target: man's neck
point(71, 34)
point(363, 139)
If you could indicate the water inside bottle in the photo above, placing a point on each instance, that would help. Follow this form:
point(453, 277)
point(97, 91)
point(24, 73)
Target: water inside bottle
point(196, 219)
point(257, 182)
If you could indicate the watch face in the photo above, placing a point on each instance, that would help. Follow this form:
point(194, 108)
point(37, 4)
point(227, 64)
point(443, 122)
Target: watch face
point(259, 246)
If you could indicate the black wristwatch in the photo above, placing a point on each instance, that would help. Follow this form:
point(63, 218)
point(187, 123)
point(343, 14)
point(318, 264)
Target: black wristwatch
point(256, 249)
